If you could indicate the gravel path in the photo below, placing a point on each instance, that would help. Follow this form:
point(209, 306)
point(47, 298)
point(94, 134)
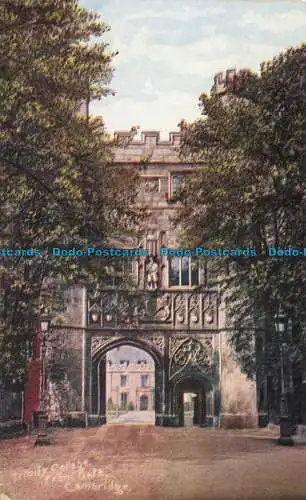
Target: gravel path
point(153, 463)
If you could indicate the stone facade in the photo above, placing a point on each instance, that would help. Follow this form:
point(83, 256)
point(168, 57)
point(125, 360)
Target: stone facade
point(182, 323)
point(131, 384)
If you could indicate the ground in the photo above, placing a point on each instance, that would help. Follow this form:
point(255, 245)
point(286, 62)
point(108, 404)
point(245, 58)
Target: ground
point(143, 462)
point(144, 417)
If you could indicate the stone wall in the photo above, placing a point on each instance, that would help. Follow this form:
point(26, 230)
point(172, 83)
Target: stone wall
point(132, 387)
point(238, 394)
point(65, 370)
point(74, 307)
point(158, 161)
point(150, 147)
point(65, 354)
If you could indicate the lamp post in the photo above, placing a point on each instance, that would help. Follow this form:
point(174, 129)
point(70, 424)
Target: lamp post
point(43, 439)
point(281, 325)
point(117, 397)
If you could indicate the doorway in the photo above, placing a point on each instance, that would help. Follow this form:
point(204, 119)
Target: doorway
point(191, 402)
point(144, 403)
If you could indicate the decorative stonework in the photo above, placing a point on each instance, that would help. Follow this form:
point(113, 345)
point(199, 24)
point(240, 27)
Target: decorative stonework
point(207, 341)
point(98, 342)
point(163, 308)
point(194, 310)
point(180, 309)
point(174, 342)
point(151, 185)
point(157, 341)
point(189, 357)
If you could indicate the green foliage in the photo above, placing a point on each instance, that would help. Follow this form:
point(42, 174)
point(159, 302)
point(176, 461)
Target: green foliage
point(131, 406)
point(249, 191)
point(59, 186)
point(110, 405)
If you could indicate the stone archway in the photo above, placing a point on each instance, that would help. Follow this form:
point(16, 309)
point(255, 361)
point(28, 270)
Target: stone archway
point(190, 370)
point(197, 386)
point(96, 384)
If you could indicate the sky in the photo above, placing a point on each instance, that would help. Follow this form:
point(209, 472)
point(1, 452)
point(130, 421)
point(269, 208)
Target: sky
point(169, 51)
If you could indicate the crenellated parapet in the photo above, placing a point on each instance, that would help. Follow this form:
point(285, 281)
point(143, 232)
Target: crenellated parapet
point(149, 148)
point(224, 80)
point(149, 137)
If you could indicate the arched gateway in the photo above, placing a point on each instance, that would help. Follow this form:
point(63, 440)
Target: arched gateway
point(183, 363)
point(97, 380)
point(173, 314)
point(176, 313)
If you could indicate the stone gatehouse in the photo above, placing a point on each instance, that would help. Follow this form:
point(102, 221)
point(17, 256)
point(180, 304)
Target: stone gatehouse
point(180, 320)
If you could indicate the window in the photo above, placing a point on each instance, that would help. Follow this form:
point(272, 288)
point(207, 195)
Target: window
point(176, 184)
point(142, 362)
point(144, 382)
point(183, 271)
point(115, 275)
point(124, 362)
point(124, 400)
point(123, 381)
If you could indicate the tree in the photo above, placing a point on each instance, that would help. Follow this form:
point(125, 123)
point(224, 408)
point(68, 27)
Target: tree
point(249, 191)
point(59, 186)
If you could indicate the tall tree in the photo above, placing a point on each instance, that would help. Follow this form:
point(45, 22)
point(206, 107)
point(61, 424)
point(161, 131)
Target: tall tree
point(59, 186)
point(249, 191)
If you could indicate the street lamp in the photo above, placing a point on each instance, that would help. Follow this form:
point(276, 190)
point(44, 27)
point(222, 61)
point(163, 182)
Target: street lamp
point(94, 316)
point(117, 405)
point(281, 324)
point(43, 439)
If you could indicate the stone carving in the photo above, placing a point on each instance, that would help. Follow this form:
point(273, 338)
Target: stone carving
point(180, 308)
point(152, 185)
point(158, 342)
point(174, 342)
point(194, 309)
point(163, 308)
point(155, 341)
point(98, 342)
point(206, 340)
point(190, 356)
point(152, 274)
point(210, 310)
point(124, 310)
point(110, 303)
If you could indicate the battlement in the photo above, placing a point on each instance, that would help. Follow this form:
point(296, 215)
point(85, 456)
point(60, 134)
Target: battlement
point(149, 146)
point(150, 137)
point(224, 80)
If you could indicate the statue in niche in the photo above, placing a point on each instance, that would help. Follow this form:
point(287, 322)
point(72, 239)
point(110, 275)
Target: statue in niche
point(152, 273)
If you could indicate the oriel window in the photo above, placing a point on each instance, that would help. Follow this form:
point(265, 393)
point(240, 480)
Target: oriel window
point(176, 185)
point(183, 271)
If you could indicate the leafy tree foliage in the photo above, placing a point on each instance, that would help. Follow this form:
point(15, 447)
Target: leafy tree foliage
point(58, 184)
point(249, 191)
